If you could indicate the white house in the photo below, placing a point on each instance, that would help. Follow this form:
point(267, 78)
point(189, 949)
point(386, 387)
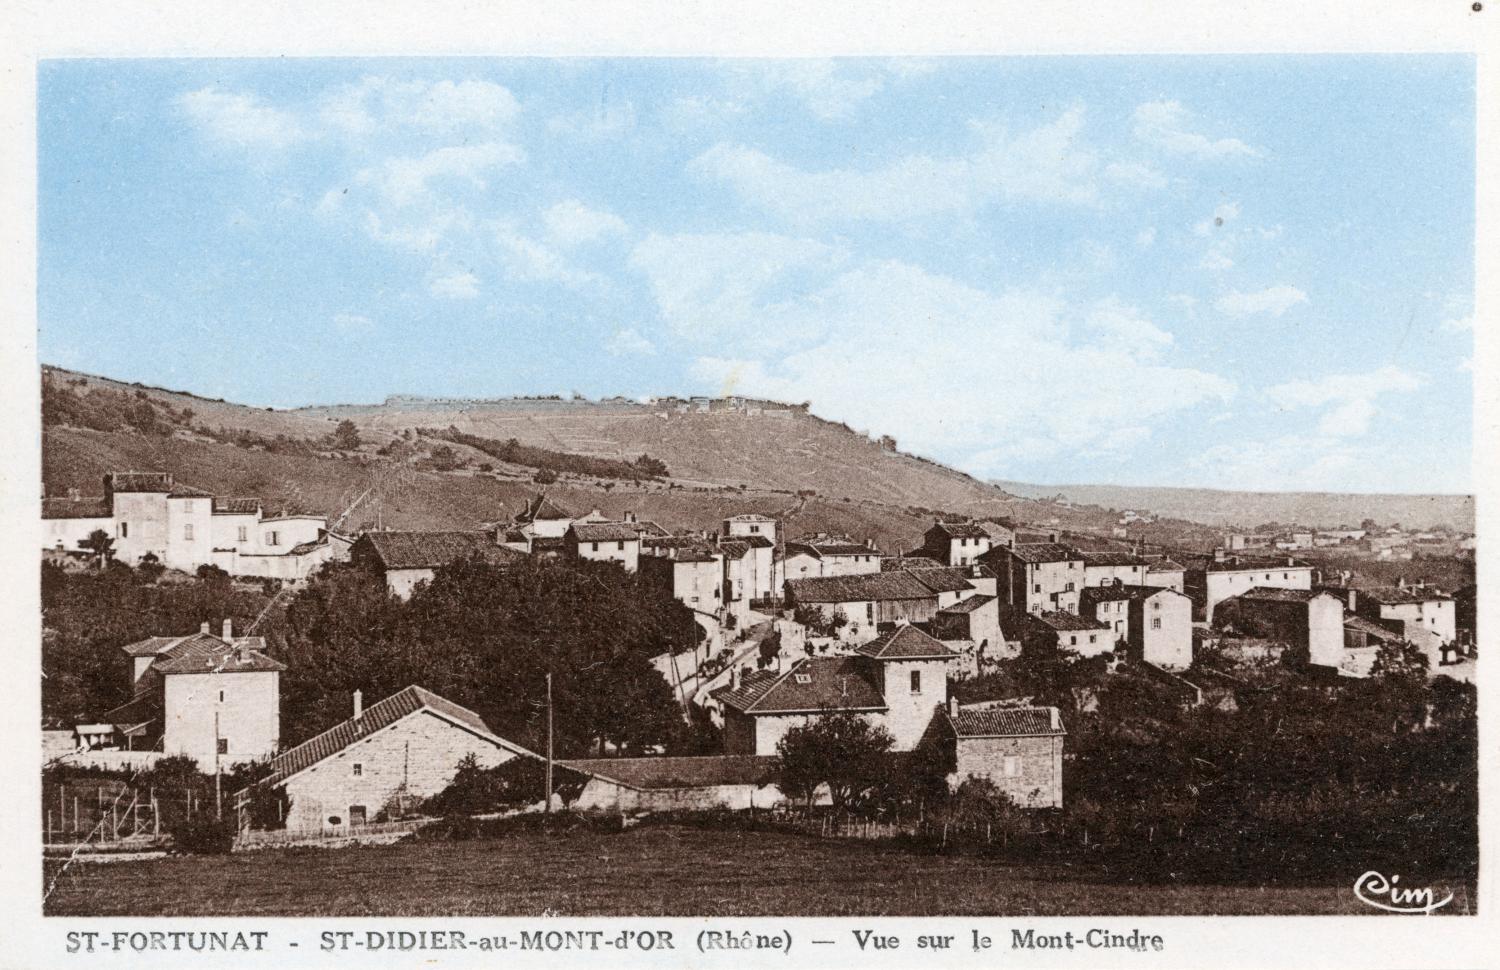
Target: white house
point(616, 542)
point(1212, 579)
point(405, 559)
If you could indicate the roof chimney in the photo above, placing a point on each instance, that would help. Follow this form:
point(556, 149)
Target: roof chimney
point(1353, 599)
point(359, 704)
point(953, 705)
point(203, 627)
point(228, 636)
point(1219, 554)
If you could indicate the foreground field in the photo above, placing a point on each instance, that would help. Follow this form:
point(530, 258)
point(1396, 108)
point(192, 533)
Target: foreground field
point(656, 870)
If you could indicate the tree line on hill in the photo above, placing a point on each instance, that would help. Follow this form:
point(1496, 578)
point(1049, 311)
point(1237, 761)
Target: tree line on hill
point(514, 452)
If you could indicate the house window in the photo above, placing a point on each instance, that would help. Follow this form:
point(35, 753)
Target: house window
point(223, 745)
point(593, 547)
point(755, 528)
point(359, 770)
point(187, 532)
point(1068, 588)
point(804, 678)
point(357, 815)
point(124, 530)
point(870, 612)
point(1093, 638)
point(1156, 623)
point(1286, 575)
point(273, 538)
point(1073, 640)
point(244, 534)
point(1012, 765)
point(1037, 588)
point(916, 682)
point(221, 697)
point(620, 545)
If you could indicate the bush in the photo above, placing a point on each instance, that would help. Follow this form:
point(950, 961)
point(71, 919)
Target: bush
point(544, 476)
point(202, 834)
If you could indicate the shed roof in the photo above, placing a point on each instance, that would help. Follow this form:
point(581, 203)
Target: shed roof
point(76, 508)
point(1111, 557)
point(542, 507)
point(1064, 622)
point(863, 588)
point(1006, 722)
point(139, 481)
point(1398, 595)
point(960, 530)
point(969, 605)
point(1037, 552)
point(604, 532)
point(236, 506)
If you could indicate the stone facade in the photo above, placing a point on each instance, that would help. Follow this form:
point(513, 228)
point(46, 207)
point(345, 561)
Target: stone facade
point(1028, 769)
point(1161, 629)
point(238, 709)
point(416, 756)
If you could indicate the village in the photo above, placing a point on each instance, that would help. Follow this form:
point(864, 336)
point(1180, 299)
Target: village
point(790, 632)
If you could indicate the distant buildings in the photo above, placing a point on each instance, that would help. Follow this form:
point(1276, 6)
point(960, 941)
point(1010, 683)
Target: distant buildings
point(149, 513)
point(405, 559)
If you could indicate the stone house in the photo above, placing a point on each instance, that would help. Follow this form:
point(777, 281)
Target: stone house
point(541, 517)
point(955, 542)
point(760, 532)
point(1020, 749)
point(1071, 632)
point(400, 750)
point(1310, 622)
point(1164, 572)
point(405, 559)
point(733, 781)
point(616, 542)
point(874, 602)
point(897, 681)
point(827, 556)
point(1106, 568)
point(971, 628)
point(215, 699)
point(1110, 605)
point(1037, 576)
point(1210, 580)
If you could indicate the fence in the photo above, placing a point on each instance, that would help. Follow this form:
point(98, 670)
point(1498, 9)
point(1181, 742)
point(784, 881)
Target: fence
point(928, 828)
point(102, 812)
point(262, 839)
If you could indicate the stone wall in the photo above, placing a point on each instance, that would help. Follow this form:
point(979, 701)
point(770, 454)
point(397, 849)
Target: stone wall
point(1036, 781)
point(417, 756)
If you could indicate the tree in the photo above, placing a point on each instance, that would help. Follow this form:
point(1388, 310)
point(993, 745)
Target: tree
point(150, 567)
point(544, 476)
point(652, 467)
point(346, 436)
point(100, 544)
point(844, 751)
point(212, 574)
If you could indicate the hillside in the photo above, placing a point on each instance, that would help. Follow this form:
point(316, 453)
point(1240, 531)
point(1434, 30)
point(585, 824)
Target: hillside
point(1247, 509)
point(820, 476)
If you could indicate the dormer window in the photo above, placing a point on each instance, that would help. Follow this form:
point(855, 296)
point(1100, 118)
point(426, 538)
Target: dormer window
point(803, 678)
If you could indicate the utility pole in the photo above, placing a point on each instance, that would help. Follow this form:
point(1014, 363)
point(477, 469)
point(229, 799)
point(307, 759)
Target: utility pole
point(548, 809)
point(218, 794)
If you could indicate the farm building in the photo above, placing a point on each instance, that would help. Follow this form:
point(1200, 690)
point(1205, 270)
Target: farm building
point(405, 559)
point(1020, 749)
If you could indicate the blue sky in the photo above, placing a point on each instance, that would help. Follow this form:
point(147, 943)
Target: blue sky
point(1241, 272)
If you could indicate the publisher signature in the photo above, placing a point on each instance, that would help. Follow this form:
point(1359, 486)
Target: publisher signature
point(1381, 892)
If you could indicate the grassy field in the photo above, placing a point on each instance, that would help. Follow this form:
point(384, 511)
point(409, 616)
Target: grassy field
point(654, 870)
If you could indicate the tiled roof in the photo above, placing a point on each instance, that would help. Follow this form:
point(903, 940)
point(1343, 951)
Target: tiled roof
point(1163, 565)
point(646, 774)
point(812, 685)
point(1006, 722)
point(187, 491)
point(1093, 595)
point(734, 548)
point(604, 532)
point(1065, 622)
point(1002, 529)
point(1033, 538)
point(236, 506)
point(867, 587)
point(1278, 595)
point(961, 530)
point(1398, 595)
point(1241, 563)
point(890, 563)
point(379, 715)
point(905, 642)
point(1370, 628)
point(204, 653)
point(76, 508)
point(151, 646)
point(943, 579)
point(542, 507)
point(428, 550)
point(820, 549)
point(751, 517)
point(1035, 552)
point(303, 548)
point(968, 605)
point(759, 542)
point(1111, 557)
point(140, 481)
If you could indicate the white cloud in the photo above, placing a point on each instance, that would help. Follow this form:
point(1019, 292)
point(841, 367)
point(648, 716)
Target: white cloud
point(1164, 124)
point(1048, 163)
point(240, 119)
point(1128, 325)
point(827, 89)
point(696, 110)
point(1216, 261)
point(952, 370)
point(403, 180)
point(454, 284)
point(530, 260)
point(604, 122)
point(1459, 324)
point(571, 223)
point(1273, 300)
point(352, 323)
point(1137, 174)
point(1185, 300)
point(630, 343)
point(1349, 399)
point(1146, 237)
point(1286, 462)
point(376, 104)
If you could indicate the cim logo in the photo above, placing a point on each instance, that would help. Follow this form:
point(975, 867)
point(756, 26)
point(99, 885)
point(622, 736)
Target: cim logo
point(1376, 890)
